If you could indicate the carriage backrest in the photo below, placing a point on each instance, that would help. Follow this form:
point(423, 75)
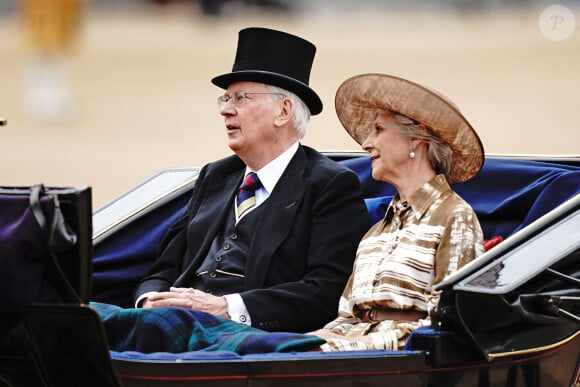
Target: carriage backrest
point(507, 195)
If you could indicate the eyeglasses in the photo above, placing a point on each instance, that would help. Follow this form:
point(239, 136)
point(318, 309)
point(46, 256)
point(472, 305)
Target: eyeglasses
point(239, 98)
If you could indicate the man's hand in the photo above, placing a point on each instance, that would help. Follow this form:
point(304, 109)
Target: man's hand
point(189, 298)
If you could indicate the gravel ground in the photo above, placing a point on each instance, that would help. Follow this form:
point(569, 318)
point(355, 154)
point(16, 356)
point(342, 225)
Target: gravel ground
point(141, 97)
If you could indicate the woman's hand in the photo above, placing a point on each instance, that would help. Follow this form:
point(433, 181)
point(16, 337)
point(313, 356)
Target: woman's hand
point(328, 335)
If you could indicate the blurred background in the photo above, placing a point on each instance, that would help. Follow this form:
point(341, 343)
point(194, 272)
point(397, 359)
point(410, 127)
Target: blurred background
point(108, 92)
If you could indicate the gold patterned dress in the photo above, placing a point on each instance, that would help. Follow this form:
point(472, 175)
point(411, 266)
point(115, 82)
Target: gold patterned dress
point(400, 259)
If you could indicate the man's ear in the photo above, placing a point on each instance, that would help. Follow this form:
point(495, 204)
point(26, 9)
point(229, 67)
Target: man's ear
point(286, 112)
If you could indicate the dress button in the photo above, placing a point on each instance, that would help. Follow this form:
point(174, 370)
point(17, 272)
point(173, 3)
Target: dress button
point(213, 274)
point(234, 236)
point(218, 258)
point(243, 318)
point(226, 246)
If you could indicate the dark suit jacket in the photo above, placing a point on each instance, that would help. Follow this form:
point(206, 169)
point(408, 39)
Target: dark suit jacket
point(304, 248)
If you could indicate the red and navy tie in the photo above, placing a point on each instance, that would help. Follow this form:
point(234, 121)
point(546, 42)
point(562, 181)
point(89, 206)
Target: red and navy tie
point(246, 196)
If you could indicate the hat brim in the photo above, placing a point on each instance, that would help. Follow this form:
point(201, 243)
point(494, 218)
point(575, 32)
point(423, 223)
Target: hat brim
point(358, 99)
point(310, 98)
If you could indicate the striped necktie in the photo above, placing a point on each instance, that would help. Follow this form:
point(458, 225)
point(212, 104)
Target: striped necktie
point(246, 198)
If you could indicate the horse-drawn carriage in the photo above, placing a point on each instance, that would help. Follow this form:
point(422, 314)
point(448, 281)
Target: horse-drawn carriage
point(510, 318)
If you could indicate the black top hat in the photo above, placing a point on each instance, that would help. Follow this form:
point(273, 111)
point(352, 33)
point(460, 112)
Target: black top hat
point(274, 58)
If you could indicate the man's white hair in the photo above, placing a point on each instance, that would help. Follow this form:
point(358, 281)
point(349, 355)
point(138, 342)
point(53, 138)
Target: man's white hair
point(301, 111)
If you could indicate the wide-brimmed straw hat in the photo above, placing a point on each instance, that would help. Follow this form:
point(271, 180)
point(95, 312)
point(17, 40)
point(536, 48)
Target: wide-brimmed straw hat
point(358, 99)
point(274, 58)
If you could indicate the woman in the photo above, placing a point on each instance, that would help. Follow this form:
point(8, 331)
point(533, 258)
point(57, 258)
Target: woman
point(420, 143)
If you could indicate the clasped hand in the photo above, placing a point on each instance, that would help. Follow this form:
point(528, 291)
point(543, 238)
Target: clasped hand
point(189, 298)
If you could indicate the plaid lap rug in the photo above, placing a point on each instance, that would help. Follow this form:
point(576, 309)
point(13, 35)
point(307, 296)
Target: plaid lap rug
point(183, 330)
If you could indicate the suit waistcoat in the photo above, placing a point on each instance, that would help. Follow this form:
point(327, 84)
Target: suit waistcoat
point(223, 268)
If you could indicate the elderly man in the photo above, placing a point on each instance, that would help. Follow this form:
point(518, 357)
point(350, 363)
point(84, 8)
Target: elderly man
point(270, 233)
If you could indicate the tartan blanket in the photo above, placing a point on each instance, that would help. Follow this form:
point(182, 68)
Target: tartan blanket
point(183, 330)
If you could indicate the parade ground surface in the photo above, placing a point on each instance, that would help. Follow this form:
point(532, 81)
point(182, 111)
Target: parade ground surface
point(142, 101)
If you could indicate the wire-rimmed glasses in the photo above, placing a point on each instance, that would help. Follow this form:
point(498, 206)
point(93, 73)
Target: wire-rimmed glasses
point(239, 98)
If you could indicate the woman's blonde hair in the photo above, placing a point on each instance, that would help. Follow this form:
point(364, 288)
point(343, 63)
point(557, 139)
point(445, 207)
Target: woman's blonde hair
point(440, 152)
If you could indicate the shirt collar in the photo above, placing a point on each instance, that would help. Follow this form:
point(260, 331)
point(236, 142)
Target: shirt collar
point(422, 199)
point(270, 173)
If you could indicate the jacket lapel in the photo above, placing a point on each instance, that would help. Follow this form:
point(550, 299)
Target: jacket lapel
point(277, 219)
point(215, 206)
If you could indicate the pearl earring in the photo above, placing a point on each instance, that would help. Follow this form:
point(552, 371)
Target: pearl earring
point(412, 154)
